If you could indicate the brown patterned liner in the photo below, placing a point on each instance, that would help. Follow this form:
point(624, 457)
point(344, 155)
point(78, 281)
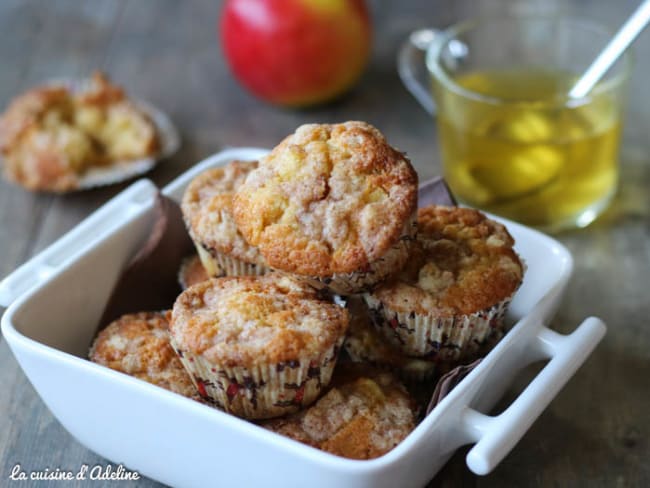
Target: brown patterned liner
point(448, 382)
point(437, 338)
point(415, 369)
point(218, 264)
point(409, 369)
point(263, 392)
point(376, 271)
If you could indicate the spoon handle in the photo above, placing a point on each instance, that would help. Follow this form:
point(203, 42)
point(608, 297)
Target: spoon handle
point(619, 43)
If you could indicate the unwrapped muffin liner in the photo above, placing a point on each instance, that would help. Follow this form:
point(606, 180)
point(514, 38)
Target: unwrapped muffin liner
point(218, 263)
point(448, 382)
point(437, 338)
point(264, 391)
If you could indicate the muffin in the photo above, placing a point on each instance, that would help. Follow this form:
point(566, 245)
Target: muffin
point(138, 345)
point(454, 291)
point(192, 272)
point(52, 135)
point(116, 124)
point(364, 415)
point(207, 210)
point(365, 344)
point(333, 205)
point(257, 347)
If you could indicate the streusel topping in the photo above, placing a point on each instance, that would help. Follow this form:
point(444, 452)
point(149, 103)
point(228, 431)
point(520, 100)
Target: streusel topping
point(463, 262)
point(207, 210)
point(329, 199)
point(245, 321)
point(138, 345)
point(364, 415)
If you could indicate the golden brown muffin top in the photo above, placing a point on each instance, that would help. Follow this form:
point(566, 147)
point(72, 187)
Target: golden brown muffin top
point(191, 272)
point(207, 210)
point(463, 263)
point(138, 345)
point(328, 199)
point(248, 321)
point(365, 414)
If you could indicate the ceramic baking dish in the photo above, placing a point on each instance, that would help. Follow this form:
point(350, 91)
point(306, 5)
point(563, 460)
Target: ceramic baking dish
point(54, 302)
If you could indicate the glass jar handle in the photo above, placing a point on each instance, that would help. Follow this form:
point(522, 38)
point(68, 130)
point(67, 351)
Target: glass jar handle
point(412, 68)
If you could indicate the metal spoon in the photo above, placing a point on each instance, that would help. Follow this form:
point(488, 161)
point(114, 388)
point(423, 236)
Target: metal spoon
point(608, 56)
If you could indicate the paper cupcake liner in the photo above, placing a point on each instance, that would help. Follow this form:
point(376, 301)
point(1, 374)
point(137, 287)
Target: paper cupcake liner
point(475, 350)
point(265, 391)
point(377, 271)
point(409, 369)
point(436, 338)
point(218, 264)
point(417, 370)
point(365, 344)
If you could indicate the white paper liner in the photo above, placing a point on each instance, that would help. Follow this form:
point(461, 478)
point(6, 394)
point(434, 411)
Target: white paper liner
point(265, 391)
point(442, 339)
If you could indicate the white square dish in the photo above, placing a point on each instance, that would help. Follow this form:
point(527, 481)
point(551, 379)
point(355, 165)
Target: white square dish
point(55, 300)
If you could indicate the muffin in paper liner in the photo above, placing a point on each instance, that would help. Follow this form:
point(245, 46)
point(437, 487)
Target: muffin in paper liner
point(455, 289)
point(365, 344)
point(364, 414)
point(261, 392)
point(257, 347)
point(218, 264)
point(437, 338)
point(332, 204)
point(207, 211)
point(364, 280)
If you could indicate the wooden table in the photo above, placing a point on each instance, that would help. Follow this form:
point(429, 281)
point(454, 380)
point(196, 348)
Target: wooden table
point(596, 432)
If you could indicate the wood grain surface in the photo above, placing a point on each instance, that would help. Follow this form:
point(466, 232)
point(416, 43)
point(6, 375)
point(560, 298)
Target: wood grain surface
point(596, 432)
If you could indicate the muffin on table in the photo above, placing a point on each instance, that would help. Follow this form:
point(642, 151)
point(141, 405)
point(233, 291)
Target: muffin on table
point(453, 294)
point(123, 131)
point(52, 135)
point(207, 210)
point(332, 204)
point(257, 347)
point(138, 345)
point(365, 414)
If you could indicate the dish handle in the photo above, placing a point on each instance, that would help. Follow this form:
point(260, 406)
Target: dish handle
point(496, 436)
point(55, 258)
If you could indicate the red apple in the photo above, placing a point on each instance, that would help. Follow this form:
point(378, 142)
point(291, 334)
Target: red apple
point(296, 52)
